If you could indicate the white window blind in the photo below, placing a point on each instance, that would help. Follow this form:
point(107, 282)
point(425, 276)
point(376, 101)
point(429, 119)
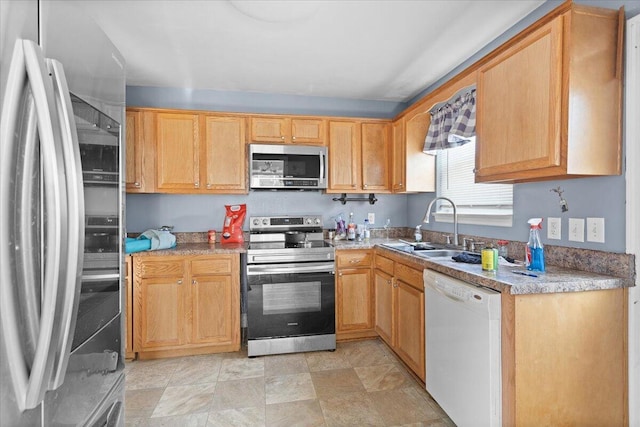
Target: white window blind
point(456, 181)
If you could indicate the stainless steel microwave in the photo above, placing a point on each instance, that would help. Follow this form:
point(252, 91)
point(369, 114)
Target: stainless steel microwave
point(287, 167)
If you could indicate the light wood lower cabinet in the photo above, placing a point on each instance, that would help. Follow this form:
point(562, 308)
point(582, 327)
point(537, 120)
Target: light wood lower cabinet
point(186, 305)
point(128, 309)
point(399, 308)
point(354, 295)
point(564, 359)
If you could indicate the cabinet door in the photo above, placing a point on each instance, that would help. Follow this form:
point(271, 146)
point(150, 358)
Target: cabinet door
point(519, 106)
point(344, 156)
point(308, 131)
point(212, 310)
point(409, 328)
point(270, 129)
point(383, 283)
point(225, 154)
point(354, 300)
point(178, 157)
point(133, 152)
point(128, 311)
point(398, 157)
point(375, 156)
point(160, 316)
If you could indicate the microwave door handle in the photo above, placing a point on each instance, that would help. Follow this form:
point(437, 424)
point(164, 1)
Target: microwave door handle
point(322, 177)
point(71, 283)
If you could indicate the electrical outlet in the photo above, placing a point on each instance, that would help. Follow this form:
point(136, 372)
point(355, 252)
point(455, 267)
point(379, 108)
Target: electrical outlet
point(554, 228)
point(371, 217)
point(595, 230)
point(576, 229)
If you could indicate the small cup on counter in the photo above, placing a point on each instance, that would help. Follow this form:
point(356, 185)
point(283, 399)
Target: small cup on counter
point(331, 234)
point(211, 237)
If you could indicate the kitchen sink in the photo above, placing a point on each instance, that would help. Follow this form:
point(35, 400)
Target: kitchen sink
point(439, 253)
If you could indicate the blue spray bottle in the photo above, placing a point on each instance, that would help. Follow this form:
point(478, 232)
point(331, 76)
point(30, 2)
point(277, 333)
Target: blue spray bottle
point(535, 250)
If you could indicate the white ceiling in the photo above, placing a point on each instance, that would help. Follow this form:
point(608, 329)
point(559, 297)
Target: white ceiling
point(356, 49)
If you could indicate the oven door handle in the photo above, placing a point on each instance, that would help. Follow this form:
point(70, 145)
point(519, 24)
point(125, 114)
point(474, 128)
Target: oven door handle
point(254, 270)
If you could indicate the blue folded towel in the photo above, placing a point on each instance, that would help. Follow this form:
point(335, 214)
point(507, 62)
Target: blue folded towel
point(160, 239)
point(132, 245)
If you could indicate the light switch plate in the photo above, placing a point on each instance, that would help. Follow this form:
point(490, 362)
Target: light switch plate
point(595, 230)
point(554, 228)
point(576, 229)
point(372, 218)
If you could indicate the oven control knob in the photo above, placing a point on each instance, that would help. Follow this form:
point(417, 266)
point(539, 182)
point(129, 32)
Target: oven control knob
point(256, 221)
point(309, 221)
point(265, 221)
point(317, 221)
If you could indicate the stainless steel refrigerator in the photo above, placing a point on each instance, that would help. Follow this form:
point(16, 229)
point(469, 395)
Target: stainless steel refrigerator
point(62, 86)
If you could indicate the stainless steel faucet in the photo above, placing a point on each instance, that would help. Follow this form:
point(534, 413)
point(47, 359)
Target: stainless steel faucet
point(455, 217)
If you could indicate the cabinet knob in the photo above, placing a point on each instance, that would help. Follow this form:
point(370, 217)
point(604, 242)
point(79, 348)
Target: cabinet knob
point(354, 261)
point(364, 186)
point(395, 284)
point(197, 184)
point(400, 185)
point(194, 282)
point(340, 274)
point(475, 170)
point(293, 138)
point(180, 282)
point(389, 282)
point(282, 137)
point(208, 185)
point(136, 184)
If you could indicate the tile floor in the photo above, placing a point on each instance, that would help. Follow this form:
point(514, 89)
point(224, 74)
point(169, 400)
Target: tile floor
point(360, 384)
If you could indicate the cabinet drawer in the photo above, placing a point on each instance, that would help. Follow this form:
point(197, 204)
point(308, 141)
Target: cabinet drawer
point(213, 265)
point(410, 276)
point(350, 258)
point(384, 264)
point(159, 267)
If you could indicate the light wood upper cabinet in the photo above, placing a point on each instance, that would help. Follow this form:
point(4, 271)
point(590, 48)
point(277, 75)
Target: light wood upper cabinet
point(297, 130)
point(398, 156)
point(133, 151)
point(548, 105)
point(140, 151)
point(225, 154)
point(344, 155)
point(178, 152)
point(359, 157)
point(376, 143)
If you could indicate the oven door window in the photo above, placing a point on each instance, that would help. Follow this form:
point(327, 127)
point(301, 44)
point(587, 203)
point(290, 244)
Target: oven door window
point(285, 305)
point(99, 303)
point(288, 298)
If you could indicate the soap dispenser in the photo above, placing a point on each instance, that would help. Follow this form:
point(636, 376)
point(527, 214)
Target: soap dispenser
point(417, 235)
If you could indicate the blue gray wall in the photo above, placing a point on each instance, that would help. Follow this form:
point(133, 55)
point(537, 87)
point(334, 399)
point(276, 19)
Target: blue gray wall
point(587, 197)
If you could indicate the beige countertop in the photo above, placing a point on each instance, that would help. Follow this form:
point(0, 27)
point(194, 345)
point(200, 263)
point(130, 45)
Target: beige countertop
point(554, 279)
point(184, 249)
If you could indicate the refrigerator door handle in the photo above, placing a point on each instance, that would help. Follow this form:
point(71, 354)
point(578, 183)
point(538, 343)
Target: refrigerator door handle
point(30, 383)
point(72, 283)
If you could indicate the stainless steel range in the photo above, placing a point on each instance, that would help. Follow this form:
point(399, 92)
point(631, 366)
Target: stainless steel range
point(291, 286)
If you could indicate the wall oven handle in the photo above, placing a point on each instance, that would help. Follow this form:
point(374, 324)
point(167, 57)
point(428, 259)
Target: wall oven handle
point(100, 277)
point(71, 284)
point(254, 270)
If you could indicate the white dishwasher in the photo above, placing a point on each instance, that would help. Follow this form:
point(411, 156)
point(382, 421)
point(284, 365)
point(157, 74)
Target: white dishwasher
point(463, 372)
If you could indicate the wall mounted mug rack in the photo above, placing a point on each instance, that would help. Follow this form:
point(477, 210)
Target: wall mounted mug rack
point(344, 199)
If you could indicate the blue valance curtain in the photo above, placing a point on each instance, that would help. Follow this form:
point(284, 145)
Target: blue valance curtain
point(452, 124)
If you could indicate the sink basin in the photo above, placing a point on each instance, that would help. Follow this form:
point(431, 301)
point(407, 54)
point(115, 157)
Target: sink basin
point(438, 253)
